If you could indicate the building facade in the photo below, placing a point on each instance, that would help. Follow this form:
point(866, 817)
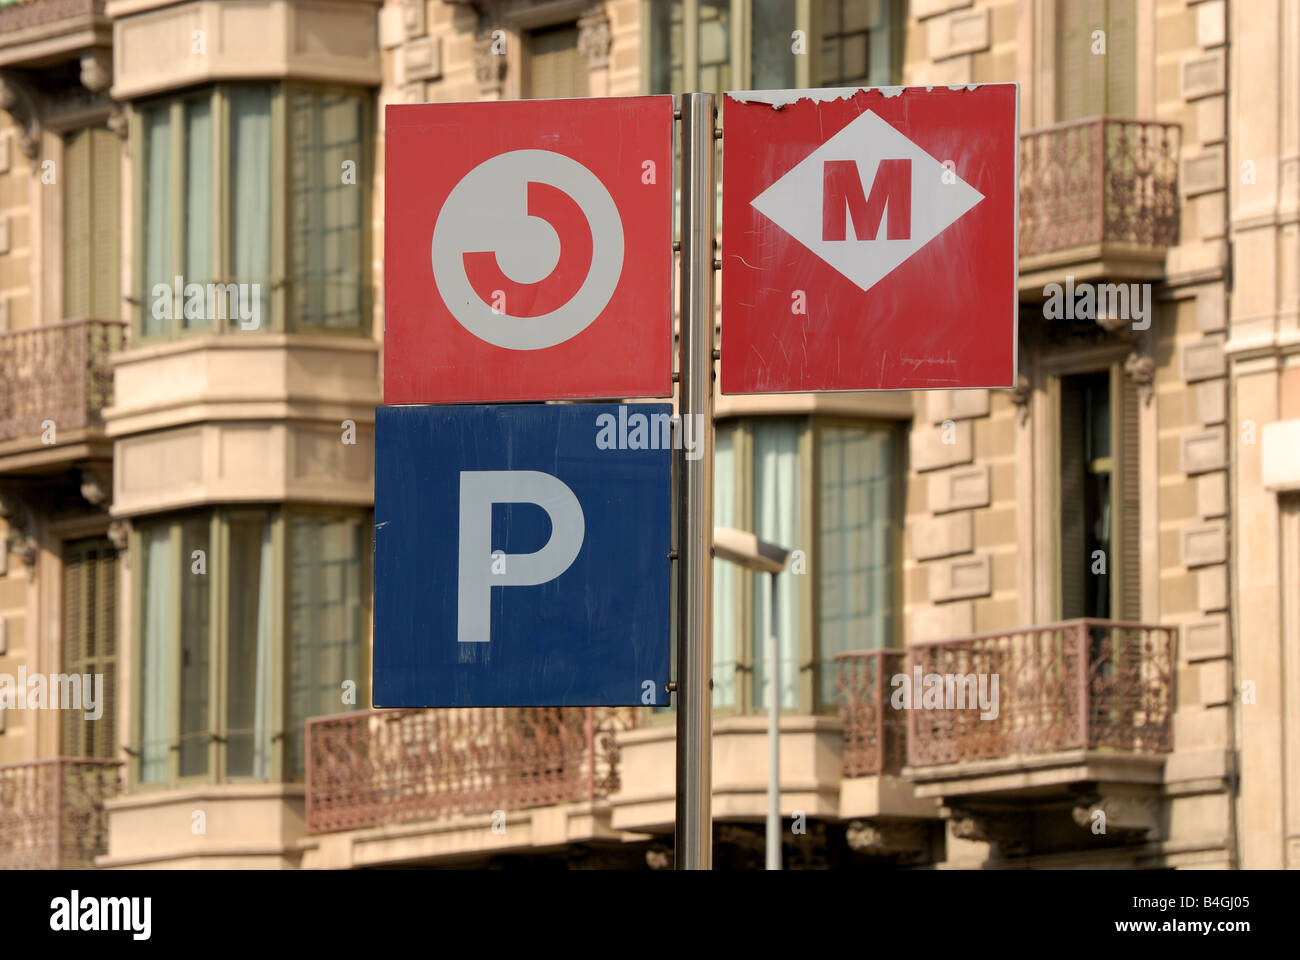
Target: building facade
point(186, 480)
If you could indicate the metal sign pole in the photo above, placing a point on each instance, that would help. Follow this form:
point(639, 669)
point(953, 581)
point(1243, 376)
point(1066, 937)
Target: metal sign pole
point(694, 839)
point(773, 739)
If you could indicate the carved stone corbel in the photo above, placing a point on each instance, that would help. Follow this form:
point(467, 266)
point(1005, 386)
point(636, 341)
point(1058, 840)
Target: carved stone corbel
point(21, 540)
point(1141, 369)
point(1008, 829)
point(1127, 816)
point(595, 38)
point(886, 837)
point(95, 489)
point(97, 70)
point(19, 102)
point(1021, 394)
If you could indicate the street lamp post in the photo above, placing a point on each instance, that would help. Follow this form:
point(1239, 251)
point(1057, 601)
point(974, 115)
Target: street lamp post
point(750, 552)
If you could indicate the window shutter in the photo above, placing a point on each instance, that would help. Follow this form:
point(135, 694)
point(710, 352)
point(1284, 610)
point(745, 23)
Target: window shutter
point(1080, 74)
point(1128, 505)
point(555, 68)
point(1121, 59)
point(105, 227)
point(76, 225)
point(90, 644)
point(1073, 542)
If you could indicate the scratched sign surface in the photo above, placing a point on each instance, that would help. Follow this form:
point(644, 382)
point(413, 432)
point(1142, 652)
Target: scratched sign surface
point(869, 239)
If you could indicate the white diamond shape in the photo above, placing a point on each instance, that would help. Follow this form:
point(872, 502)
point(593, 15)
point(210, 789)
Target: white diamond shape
point(793, 202)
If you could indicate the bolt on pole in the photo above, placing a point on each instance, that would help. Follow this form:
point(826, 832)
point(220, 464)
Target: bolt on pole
point(694, 838)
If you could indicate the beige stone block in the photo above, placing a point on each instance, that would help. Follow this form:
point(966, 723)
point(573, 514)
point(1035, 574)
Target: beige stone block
point(1204, 544)
point(422, 59)
point(1212, 588)
point(414, 92)
point(1212, 495)
point(942, 622)
point(1210, 315)
point(945, 536)
point(4, 233)
point(1209, 120)
point(1211, 402)
point(961, 489)
point(956, 404)
point(1206, 639)
point(1280, 455)
point(956, 33)
point(1210, 23)
point(1215, 683)
point(4, 315)
point(1202, 74)
point(960, 579)
point(1203, 451)
point(1203, 171)
point(930, 452)
point(1187, 686)
point(1201, 729)
point(1185, 765)
point(924, 9)
point(5, 140)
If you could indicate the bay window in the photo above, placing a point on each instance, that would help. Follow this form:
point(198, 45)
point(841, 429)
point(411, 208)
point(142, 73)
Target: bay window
point(256, 192)
point(251, 620)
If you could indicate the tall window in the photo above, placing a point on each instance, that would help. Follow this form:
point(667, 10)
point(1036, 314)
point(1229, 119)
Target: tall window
point(861, 43)
point(553, 65)
point(91, 224)
point(209, 705)
point(218, 169)
point(859, 525)
point(89, 627)
point(1096, 58)
point(1100, 497)
point(717, 45)
point(833, 491)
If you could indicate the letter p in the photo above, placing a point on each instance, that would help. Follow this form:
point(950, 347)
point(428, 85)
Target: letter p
point(479, 490)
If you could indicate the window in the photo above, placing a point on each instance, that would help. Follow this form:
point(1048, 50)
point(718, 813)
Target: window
point(859, 490)
point(209, 704)
point(554, 67)
point(218, 168)
point(1099, 497)
point(717, 45)
point(861, 43)
point(832, 490)
point(1093, 80)
point(89, 627)
point(91, 224)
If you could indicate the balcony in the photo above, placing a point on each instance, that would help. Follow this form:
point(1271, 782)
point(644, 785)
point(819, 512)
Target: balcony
point(1085, 701)
point(370, 772)
point(1098, 199)
point(57, 380)
point(887, 819)
point(52, 812)
point(39, 33)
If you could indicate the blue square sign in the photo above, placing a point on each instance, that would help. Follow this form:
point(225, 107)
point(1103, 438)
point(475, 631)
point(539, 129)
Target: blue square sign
point(521, 555)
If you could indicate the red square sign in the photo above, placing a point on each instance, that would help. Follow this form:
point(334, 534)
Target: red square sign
point(869, 239)
point(528, 250)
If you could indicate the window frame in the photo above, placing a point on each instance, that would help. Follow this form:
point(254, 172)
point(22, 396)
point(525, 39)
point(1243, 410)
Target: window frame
point(807, 17)
point(220, 517)
point(280, 192)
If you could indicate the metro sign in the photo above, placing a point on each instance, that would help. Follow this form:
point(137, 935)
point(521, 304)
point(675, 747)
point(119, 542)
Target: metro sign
point(528, 250)
point(869, 239)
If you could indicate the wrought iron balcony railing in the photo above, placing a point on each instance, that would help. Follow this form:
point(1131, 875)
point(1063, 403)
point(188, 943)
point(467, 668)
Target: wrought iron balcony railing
point(1097, 685)
point(397, 766)
point(875, 735)
point(52, 812)
point(1099, 181)
point(58, 372)
point(21, 14)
